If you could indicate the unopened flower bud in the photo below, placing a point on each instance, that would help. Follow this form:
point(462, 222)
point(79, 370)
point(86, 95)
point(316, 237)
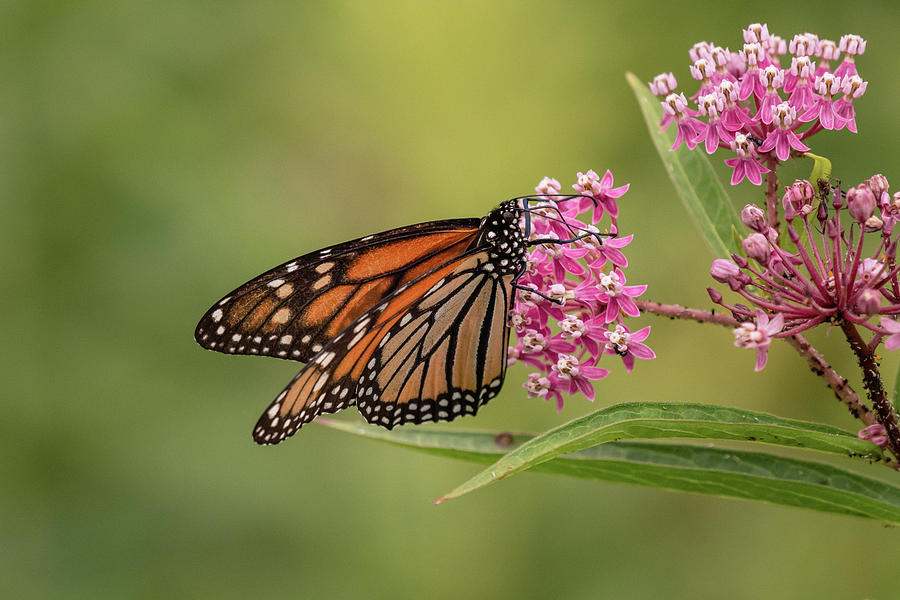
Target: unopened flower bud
point(714, 295)
point(873, 223)
point(878, 184)
point(757, 246)
point(876, 434)
point(725, 271)
point(837, 198)
point(822, 213)
point(869, 302)
point(860, 202)
point(753, 217)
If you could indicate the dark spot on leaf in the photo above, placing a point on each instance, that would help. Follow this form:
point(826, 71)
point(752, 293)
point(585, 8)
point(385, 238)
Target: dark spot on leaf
point(504, 440)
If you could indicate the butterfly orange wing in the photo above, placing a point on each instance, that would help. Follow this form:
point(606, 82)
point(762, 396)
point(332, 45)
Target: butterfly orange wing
point(461, 359)
point(295, 309)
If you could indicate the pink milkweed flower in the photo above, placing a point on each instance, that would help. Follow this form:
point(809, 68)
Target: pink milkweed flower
point(799, 83)
point(618, 296)
point(568, 372)
point(746, 164)
point(714, 130)
point(703, 70)
point(753, 56)
point(564, 259)
point(610, 251)
point(628, 345)
point(827, 52)
point(661, 86)
point(548, 187)
point(700, 50)
point(602, 191)
point(851, 45)
point(689, 127)
point(773, 78)
point(756, 33)
point(775, 48)
point(759, 335)
point(539, 386)
point(783, 138)
point(734, 117)
point(853, 87)
point(563, 281)
point(827, 85)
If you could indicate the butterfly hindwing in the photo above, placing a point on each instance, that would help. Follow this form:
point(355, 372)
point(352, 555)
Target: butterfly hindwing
point(332, 379)
point(446, 356)
point(295, 309)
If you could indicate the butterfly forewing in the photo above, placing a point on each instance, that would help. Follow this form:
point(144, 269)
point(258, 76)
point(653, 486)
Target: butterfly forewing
point(330, 381)
point(295, 309)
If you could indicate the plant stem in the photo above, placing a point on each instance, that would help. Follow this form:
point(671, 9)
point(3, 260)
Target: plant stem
point(817, 364)
point(772, 192)
point(887, 416)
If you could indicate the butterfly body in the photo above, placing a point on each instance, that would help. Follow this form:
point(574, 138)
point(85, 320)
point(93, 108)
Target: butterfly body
point(410, 325)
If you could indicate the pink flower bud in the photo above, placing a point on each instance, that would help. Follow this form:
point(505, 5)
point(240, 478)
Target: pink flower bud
point(879, 186)
point(725, 271)
point(753, 217)
point(714, 295)
point(757, 246)
point(873, 223)
point(860, 202)
point(869, 302)
point(876, 434)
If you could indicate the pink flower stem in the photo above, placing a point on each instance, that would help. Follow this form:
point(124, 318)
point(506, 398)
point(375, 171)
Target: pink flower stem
point(815, 248)
point(884, 409)
point(772, 192)
point(816, 128)
point(817, 364)
point(876, 339)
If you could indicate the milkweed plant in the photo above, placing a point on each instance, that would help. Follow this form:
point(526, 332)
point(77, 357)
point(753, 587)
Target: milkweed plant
point(812, 253)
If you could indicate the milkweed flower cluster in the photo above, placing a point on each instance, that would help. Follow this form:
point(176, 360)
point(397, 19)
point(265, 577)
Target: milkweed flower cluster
point(764, 101)
point(843, 268)
point(581, 299)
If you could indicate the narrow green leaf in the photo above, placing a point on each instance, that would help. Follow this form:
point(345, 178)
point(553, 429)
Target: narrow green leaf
point(700, 190)
point(735, 474)
point(651, 420)
point(713, 471)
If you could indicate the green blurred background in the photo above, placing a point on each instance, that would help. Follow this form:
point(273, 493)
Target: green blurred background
point(156, 154)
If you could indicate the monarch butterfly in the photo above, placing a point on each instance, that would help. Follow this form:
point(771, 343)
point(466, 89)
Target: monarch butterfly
point(409, 324)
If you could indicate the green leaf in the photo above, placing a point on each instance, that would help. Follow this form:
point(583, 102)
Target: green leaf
point(702, 470)
point(821, 169)
point(691, 173)
point(651, 420)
